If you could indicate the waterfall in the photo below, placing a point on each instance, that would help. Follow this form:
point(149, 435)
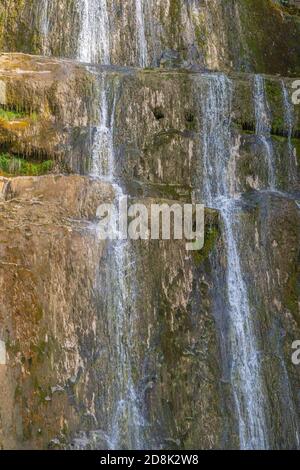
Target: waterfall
point(93, 43)
point(216, 137)
point(102, 149)
point(94, 46)
point(246, 375)
point(289, 124)
point(263, 127)
point(126, 421)
point(141, 34)
point(44, 25)
point(246, 370)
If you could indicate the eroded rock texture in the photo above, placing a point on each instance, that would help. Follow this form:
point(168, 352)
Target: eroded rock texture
point(106, 345)
point(244, 35)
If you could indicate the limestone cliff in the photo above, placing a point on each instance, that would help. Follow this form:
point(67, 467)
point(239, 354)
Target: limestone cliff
point(138, 345)
point(241, 35)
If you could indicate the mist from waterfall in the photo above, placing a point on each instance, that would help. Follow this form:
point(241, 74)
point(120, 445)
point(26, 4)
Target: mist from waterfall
point(218, 181)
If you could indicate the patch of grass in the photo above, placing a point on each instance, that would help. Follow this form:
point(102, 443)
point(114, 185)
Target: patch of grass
point(11, 165)
point(11, 115)
point(8, 115)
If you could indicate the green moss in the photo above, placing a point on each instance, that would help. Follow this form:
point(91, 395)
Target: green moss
point(200, 37)
point(268, 38)
point(275, 99)
point(18, 392)
point(211, 235)
point(39, 313)
point(13, 166)
point(8, 115)
point(274, 91)
point(175, 21)
point(292, 292)
point(41, 350)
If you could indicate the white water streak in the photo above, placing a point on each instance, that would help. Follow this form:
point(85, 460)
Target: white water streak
point(216, 137)
point(102, 149)
point(289, 124)
point(263, 127)
point(44, 24)
point(126, 422)
point(246, 375)
point(94, 37)
point(246, 370)
point(141, 33)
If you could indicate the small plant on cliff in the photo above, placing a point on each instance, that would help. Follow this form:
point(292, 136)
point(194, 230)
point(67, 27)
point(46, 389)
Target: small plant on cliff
point(12, 115)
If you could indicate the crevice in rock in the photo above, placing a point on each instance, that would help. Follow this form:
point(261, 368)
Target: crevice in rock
point(189, 116)
point(158, 113)
point(249, 127)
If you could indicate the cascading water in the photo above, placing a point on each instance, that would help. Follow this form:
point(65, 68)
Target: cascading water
point(94, 46)
point(289, 124)
point(126, 420)
point(141, 34)
point(127, 424)
point(246, 376)
point(93, 43)
point(262, 116)
point(94, 39)
point(102, 149)
point(44, 26)
point(263, 127)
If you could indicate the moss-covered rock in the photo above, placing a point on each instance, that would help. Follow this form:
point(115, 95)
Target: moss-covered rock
point(242, 35)
point(157, 123)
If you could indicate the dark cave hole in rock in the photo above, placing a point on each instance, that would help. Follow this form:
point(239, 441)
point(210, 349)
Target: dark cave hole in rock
point(158, 113)
point(189, 116)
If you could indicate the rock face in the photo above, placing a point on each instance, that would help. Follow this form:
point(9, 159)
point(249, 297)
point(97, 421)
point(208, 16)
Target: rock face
point(56, 105)
point(60, 361)
point(162, 147)
point(138, 345)
point(47, 276)
point(243, 35)
point(270, 243)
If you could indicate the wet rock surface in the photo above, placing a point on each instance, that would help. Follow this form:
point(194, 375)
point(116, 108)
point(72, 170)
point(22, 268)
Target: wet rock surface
point(48, 263)
point(54, 323)
point(104, 344)
point(241, 35)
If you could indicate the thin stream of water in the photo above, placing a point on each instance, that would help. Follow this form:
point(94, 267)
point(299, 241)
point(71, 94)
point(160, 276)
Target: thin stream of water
point(246, 375)
point(127, 422)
